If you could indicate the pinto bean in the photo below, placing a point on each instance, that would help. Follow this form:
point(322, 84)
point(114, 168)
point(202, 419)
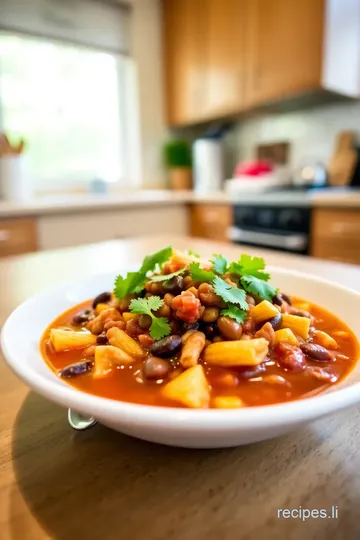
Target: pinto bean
point(229, 328)
point(210, 314)
point(208, 297)
point(76, 369)
point(156, 368)
point(267, 332)
point(96, 326)
point(250, 300)
point(145, 321)
point(102, 298)
point(249, 326)
point(290, 358)
point(317, 353)
point(167, 346)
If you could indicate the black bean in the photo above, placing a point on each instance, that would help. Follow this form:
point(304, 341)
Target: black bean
point(167, 346)
point(174, 285)
point(156, 368)
point(317, 353)
point(76, 369)
point(102, 339)
point(287, 298)
point(210, 330)
point(276, 321)
point(102, 298)
point(190, 326)
point(82, 317)
point(248, 373)
point(277, 300)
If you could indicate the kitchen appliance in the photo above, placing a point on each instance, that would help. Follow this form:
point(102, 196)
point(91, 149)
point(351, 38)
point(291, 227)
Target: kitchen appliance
point(283, 228)
point(310, 175)
point(208, 167)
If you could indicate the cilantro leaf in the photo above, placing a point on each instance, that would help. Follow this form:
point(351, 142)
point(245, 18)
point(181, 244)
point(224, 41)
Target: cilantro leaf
point(259, 287)
point(193, 253)
point(219, 263)
point(165, 277)
point(250, 266)
point(134, 281)
point(235, 313)
point(160, 326)
point(199, 274)
point(230, 294)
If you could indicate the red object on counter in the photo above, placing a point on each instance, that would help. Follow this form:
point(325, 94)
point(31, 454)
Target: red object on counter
point(253, 168)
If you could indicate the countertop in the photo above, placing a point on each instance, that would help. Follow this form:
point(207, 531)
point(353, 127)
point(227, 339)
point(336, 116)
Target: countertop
point(63, 204)
point(99, 484)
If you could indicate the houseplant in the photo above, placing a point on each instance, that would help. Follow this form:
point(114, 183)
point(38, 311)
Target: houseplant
point(177, 156)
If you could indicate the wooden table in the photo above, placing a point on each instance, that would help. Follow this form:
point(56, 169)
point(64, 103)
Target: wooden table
point(56, 483)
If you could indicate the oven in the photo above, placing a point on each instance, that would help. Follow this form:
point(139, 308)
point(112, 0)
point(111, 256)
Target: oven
point(283, 228)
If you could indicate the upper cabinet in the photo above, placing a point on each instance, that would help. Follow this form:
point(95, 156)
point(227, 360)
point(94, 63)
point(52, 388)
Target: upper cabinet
point(226, 56)
point(284, 48)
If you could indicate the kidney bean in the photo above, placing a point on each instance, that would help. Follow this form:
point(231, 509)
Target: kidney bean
point(321, 374)
point(277, 300)
point(229, 328)
point(102, 298)
point(290, 358)
point(317, 353)
point(76, 369)
point(145, 340)
point(102, 339)
point(248, 373)
point(174, 285)
point(156, 368)
point(287, 298)
point(167, 346)
point(276, 321)
point(210, 314)
point(83, 317)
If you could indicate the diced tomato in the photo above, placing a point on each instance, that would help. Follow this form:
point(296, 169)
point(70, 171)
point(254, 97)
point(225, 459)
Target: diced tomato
point(187, 307)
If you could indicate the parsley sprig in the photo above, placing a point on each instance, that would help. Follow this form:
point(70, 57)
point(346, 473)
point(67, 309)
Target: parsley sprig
point(160, 326)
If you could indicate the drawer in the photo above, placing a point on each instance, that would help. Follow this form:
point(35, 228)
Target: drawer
point(17, 236)
point(210, 221)
point(335, 235)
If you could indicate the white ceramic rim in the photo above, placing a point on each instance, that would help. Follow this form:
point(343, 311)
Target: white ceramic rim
point(193, 419)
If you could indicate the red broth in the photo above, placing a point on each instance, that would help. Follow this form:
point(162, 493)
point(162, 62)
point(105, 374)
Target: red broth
point(125, 383)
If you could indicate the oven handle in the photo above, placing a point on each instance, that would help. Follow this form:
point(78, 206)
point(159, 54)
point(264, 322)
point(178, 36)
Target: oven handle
point(293, 242)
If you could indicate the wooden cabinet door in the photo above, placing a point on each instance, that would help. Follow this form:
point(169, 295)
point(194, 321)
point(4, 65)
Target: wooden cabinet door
point(285, 48)
point(184, 31)
point(210, 221)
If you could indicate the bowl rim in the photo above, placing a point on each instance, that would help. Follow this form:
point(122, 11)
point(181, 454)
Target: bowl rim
point(296, 411)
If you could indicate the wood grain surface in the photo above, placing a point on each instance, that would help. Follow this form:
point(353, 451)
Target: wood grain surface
point(59, 484)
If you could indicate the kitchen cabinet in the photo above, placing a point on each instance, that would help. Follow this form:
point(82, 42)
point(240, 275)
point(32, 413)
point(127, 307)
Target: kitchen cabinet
point(335, 235)
point(225, 57)
point(284, 48)
point(17, 236)
point(210, 221)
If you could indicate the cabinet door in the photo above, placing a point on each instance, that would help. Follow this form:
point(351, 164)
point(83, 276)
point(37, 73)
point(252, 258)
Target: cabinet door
point(225, 46)
point(210, 221)
point(285, 48)
point(184, 29)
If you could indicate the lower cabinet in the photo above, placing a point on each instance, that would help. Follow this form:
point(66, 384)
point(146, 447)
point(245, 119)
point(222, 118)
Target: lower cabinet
point(18, 235)
point(210, 221)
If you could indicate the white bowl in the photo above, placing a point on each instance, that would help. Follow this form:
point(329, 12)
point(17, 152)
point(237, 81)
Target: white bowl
point(176, 426)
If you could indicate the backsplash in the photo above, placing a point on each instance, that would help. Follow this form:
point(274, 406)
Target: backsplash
point(311, 133)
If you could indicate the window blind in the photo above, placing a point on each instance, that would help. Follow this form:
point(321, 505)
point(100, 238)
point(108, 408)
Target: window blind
point(101, 24)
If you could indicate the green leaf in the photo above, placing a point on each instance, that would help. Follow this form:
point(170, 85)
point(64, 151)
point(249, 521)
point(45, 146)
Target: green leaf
point(235, 313)
point(199, 274)
point(254, 285)
point(134, 281)
point(193, 253)
point(250, 266)
point(230, 294)
point(160, 326)
point(220, 264)
point(165, 277)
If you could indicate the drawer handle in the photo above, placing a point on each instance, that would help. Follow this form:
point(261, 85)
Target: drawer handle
point(4, 235)
point(341, 227)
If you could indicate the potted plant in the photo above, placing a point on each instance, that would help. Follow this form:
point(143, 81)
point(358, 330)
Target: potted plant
point(177, 154)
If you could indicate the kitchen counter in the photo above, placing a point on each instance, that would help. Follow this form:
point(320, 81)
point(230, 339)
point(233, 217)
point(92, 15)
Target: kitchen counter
point(56, 483)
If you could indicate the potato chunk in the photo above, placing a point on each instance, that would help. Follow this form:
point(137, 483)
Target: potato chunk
point(263, 311)
point(63, 340)
point(119, 338)
point(106, 357)
point(285, 335)
point(237, 353)
point(190, 388)
point(228, 402)
point(299, 325)
point(322, 338)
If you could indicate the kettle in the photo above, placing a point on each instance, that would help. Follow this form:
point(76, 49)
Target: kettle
point(310, 175)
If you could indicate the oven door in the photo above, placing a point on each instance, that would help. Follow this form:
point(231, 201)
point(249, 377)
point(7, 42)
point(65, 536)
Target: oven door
point(295, 242)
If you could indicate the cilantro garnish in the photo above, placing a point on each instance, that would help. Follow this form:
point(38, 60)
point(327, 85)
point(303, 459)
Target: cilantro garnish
point(249, 266)
point(230, 294)
point(160, 326)
point(165, 277)
point(261, 288)
point(193, 253)
point(134, 281)
point(235, 313)
point(199, 274)
point(219, 264)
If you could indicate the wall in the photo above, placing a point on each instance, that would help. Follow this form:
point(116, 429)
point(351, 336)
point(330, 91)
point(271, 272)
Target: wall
point(311, 132)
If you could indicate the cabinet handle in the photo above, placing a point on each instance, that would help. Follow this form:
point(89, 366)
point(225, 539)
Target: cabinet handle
point(4, 235)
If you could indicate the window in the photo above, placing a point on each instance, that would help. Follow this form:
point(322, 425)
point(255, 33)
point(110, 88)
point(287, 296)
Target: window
point(68, 103)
